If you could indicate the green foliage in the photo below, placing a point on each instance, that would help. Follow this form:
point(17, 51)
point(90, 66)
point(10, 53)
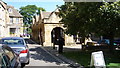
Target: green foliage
point(28, 12)
point(87, 17)
point(29, 30)
point(108, 18)
point(39, 8)
point(78, 17)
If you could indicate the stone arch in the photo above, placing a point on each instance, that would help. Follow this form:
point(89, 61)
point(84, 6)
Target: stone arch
point(56, 33)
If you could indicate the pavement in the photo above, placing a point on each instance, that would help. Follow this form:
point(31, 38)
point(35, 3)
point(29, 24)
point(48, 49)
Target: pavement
point(55, 53)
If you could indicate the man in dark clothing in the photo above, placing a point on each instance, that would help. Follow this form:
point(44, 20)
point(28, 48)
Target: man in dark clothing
point(61, 43)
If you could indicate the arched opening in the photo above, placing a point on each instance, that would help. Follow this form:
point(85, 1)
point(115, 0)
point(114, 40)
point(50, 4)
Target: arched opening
point(56, 33)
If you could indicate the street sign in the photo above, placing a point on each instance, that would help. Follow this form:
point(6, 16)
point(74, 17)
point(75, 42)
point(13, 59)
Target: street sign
point(97, 60)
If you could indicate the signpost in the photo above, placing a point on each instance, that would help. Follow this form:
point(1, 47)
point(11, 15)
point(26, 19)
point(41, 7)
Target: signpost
point(97, 60)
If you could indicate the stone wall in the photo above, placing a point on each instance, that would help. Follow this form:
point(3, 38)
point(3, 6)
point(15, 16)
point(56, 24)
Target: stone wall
point(48, 29)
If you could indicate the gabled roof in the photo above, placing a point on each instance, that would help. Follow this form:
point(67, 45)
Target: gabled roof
point(14, 13)
point(46, 14)
point(3, 4)
point(56, 11)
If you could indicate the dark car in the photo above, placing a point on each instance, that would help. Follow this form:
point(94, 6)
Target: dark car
point(104, 42)
point(19, 46)
point(117, 42)
point(8, 59)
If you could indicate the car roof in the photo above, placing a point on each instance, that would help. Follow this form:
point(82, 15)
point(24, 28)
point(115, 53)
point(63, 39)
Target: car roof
point(12, 38)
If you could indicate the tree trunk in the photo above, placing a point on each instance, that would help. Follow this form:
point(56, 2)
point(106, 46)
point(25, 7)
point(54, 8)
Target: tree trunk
point(111, 38)
point(111, 43)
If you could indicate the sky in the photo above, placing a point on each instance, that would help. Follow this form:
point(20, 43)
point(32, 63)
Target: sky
point(47, 5)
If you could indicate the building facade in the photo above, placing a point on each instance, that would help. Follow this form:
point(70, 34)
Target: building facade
point(16, 22)
point(11, 21)
point(4, 19)
point(47, 29)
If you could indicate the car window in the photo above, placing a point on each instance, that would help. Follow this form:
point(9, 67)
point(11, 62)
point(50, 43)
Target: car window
point(4, 62)
point(13, 41)
point(9, 54)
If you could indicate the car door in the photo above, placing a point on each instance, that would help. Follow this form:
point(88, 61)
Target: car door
point(4, 62)
point(11, 57)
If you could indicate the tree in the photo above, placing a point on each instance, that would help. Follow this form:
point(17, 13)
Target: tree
point(40, 9)
point(87, 17)
point(77, 17)
point(107, 22)
point(28, 12)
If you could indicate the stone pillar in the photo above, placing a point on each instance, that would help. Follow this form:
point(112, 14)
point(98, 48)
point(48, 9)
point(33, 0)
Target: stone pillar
point(48, 30)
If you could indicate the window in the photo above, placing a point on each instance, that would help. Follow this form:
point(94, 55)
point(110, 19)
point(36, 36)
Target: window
point(5, 61)
point(1, 60)
point(9, 54)
point(10, 10)
point(17, 20)
point(12, 30)
point(11, 20)
point(13, 42)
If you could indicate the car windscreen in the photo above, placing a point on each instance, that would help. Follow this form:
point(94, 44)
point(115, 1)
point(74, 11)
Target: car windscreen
point(12, 41)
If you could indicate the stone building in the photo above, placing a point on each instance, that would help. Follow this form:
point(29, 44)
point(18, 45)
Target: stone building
point(11, 21)
point(4, 19)
point(47, 28)
point(16, 22)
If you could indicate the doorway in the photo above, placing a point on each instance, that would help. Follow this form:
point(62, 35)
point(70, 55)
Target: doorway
point(56, 34)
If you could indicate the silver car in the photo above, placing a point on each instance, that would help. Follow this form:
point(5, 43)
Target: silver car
point(19, 46)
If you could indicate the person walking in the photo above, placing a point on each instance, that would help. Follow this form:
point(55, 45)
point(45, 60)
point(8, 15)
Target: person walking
point(61, 43)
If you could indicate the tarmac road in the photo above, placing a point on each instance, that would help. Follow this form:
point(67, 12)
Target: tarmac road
point(40, 58)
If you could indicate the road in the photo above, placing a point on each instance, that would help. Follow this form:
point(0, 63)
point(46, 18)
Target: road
point(41, 58)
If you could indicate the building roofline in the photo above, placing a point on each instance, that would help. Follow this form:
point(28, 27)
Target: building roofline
point(4, 5)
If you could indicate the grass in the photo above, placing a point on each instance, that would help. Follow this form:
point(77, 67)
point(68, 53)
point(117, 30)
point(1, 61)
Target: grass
point(114, 65)
point(112, 59)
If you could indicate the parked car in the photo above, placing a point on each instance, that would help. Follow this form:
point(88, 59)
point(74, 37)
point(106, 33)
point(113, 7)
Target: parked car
point(8, 59)
point(19, 46)
point(90, 45)
point(117, 43)
point(104, 42)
